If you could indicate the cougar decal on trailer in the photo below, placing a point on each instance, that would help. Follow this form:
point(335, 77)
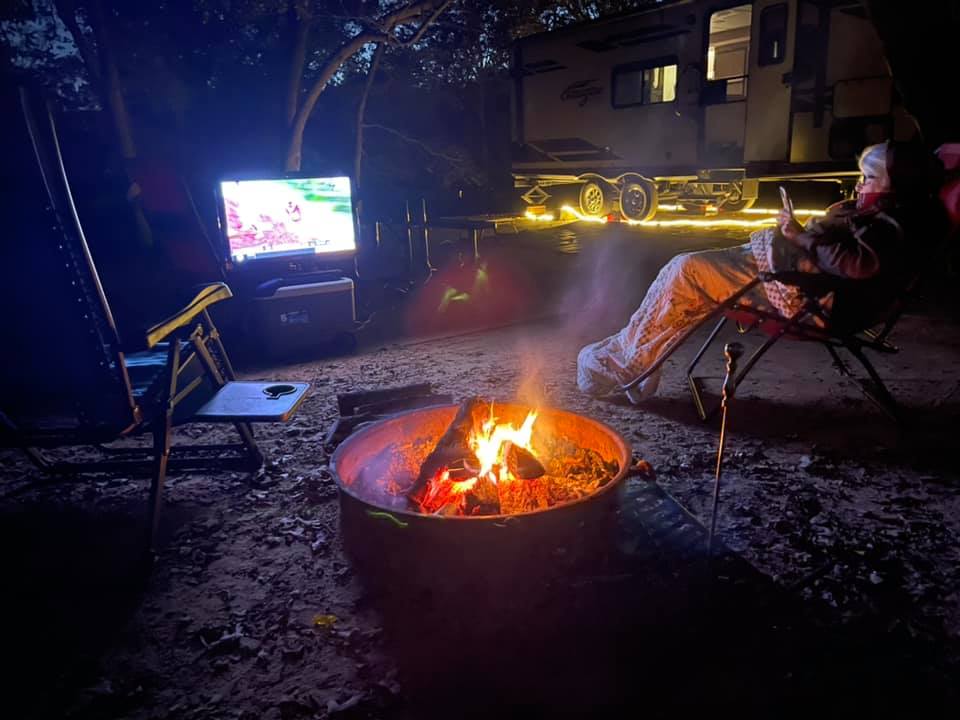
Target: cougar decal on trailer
point(699, 102)
point(581, 91)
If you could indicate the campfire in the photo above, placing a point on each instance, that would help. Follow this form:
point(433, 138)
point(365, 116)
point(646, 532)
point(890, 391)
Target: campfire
point(483, 465)
point(462, 483)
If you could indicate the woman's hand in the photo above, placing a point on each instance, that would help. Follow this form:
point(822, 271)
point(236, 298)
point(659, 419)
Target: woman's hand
point(789, 225)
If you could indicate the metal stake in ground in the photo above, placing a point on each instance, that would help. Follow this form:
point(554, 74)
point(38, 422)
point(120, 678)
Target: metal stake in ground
point(732, 352)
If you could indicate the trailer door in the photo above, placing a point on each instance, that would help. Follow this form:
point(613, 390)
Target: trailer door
point(767, 138)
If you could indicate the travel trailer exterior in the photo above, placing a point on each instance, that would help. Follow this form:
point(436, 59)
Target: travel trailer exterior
point(697, 103)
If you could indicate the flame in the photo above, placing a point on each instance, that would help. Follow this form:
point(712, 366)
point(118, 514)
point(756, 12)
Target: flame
point(489, 444)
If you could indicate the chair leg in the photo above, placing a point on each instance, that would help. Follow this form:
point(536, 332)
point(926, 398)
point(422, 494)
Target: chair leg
point(696, 389)
point(718, 310)
point(245, 430)
point(741, 376)
point(250, 446)
point(161, 456)
point(875, 390)
point(33, 455)
point(161, 447)
point(672, 348)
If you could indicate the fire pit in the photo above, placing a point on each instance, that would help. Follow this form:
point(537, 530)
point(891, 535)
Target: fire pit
point(388, 514)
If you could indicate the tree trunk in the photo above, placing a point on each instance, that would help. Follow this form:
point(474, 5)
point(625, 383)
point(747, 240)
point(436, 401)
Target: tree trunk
point(361, 113)
point(296, 66)
point(346, 51)
point(112, 87)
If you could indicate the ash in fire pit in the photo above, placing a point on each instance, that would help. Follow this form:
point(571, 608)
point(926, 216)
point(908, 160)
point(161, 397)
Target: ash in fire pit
point(483, 465)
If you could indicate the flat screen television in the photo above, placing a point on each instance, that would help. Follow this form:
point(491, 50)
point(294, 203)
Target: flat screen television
point(281, 217)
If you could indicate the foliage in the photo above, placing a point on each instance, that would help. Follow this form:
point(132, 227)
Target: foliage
point(38, 44)
point(214, 74)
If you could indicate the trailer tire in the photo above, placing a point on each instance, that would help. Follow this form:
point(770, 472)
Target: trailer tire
point(638, 199)
point(739, 205)
point(593, 199)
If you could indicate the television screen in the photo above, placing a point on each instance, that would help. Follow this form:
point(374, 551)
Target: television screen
point(287, 216)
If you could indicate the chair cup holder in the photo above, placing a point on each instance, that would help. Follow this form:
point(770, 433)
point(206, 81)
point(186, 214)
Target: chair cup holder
point(275, 392)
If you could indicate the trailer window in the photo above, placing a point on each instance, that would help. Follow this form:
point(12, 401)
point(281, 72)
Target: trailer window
point(728, 50)
point(643, 84)
point(773, 35)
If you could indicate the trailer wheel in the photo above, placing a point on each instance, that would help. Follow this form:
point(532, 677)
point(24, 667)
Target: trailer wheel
point(735, 201)
point(593, 200)
point(638, 199)
point(738, 205)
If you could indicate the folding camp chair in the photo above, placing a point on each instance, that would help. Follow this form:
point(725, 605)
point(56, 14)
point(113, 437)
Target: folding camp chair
point(800, 326)
point(67, 378)
point(811, 323)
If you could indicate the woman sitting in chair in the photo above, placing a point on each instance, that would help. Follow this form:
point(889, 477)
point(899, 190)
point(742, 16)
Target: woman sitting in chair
point(860, 240)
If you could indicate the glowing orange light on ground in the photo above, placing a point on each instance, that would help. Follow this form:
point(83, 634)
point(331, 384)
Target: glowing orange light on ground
point(543, 217)
point(696, 222)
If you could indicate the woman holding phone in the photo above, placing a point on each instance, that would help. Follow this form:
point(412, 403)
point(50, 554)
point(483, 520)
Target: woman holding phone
point(872, 237)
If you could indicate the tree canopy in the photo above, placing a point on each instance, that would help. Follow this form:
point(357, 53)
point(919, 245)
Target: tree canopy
point(239, 81)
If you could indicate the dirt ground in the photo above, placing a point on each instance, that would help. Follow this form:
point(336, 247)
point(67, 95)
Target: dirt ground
point(253, 610)
point(849, 602)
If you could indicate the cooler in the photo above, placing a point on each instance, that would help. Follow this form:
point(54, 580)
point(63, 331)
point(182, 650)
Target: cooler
point(298, 317)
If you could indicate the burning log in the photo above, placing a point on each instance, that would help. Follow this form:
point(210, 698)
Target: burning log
point(522, 463)
point(453, 449)
point(483, 498)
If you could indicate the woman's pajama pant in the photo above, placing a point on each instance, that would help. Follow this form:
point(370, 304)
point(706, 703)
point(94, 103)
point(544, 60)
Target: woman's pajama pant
point(685, 291)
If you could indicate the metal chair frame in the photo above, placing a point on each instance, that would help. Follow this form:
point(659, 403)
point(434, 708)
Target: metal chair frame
point(195, 367)
point(799, 326)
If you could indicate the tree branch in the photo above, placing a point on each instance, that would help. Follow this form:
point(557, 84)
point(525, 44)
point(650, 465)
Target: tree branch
point(346, 51)
point(389, 23)
point(452, 159)
point(426, 23)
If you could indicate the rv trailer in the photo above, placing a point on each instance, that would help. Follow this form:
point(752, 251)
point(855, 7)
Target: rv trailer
point(696, 103)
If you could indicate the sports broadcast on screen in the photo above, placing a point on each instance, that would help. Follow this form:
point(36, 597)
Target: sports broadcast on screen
point(285, 216)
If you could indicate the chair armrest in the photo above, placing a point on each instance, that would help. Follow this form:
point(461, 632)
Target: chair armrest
point(812, 284)
point(207, 296)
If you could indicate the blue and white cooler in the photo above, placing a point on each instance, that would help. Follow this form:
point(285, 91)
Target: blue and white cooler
point(288, 318)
